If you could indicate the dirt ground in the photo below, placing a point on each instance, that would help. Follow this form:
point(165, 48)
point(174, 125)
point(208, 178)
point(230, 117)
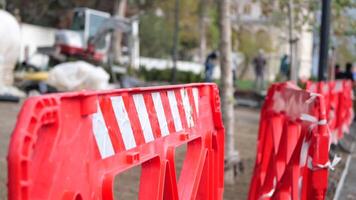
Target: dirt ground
point(246, 128)
point(245, 140)
point(8, 113)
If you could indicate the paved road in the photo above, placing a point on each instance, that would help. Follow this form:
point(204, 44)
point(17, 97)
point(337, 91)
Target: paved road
point(348, 191)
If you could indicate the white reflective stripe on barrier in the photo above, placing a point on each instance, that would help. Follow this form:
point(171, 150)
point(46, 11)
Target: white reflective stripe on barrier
point(271, 192)
point(162, 121)
point(338, 86)
point(125, 125)
point(312, 119)
point(329, 165)
point(174, 109)
point(300, 187)
point(304, 153)
point(326, 88)
point(101, 135)
point(313, 87)
point(312, 98)
point(187, 108)
point(143, 117)
point(123, 121)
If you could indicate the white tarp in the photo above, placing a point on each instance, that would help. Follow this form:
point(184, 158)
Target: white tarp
point(79, 75)
point(10, 40)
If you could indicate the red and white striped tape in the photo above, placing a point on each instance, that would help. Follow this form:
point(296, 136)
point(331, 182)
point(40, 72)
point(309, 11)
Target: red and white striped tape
point(139, 116)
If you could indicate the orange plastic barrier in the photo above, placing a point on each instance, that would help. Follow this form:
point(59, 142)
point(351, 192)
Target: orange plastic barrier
point(339, 109)
point(293, 146)
point(71, 146)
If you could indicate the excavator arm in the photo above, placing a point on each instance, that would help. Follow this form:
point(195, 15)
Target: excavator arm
point(111, 24)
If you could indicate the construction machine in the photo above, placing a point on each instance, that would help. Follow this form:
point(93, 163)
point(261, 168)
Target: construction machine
point(88, 38)
point(89, 35)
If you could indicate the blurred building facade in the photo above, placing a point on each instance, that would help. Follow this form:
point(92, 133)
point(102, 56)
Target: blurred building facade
point(251, 15)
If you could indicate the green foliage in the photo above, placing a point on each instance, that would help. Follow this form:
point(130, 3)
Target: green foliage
point(342, 4)
point(213, 28)
point(165, 75)
point(155, 41)
point(246, 43)
point(345, 52)
point(342, 24)
point(344, 30)
point(304, 13)
point(249, 42)
point(156, 33)
point(48, 13)
point(188, 34)
point(245, 84)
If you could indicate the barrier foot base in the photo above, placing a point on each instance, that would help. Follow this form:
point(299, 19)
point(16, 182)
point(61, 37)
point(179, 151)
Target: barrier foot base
point(233, 167)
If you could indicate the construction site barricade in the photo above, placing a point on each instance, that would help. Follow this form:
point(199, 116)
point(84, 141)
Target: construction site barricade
point(71, 146)
point(292, 158)
point(338, 97)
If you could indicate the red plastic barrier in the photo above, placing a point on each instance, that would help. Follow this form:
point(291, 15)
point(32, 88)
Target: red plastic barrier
point(72, 145)
point(293, 146)
point(338, 99)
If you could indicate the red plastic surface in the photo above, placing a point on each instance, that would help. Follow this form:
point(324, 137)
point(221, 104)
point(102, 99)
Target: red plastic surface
point(338, 101)
point(88, 53)
point(293, 146)
point(72, 145)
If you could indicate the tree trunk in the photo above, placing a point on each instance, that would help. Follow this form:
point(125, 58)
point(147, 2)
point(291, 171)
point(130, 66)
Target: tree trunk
point(227, 97)
point(202, 30)
point(119, 10)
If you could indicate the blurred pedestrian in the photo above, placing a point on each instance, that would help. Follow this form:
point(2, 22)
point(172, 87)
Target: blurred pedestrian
point(210, 63)
point(259, 65)
point(349, 72)
point(284, 68)
point(338, 72)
